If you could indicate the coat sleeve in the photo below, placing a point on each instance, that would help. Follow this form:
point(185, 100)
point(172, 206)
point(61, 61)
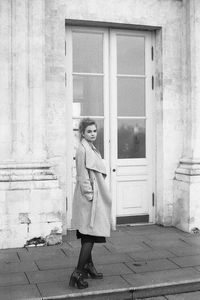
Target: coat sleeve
point(83, 176)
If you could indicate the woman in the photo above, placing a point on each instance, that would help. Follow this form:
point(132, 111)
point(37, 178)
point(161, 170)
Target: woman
point(91, 203)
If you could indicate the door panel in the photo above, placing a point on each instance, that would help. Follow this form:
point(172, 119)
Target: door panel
point(132, 153)
point(129, 189)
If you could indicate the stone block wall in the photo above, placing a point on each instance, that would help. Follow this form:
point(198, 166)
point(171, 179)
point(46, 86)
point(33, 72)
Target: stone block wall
point(31, 200)
point(34, 105)
point(30, 204)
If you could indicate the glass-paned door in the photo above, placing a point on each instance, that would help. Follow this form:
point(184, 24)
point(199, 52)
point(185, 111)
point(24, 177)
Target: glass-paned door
point(109, 79)
point(132, 129)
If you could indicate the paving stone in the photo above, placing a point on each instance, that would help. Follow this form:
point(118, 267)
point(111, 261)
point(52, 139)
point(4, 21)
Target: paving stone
point(192, 241)
point(184, 251)
point(161, 277)
point(36, 255)
point(49, 275)
point(165, 236)
point(97, 250)
point(112, 258)
point(100, 250)
point(20, 292)
point(74, 252)
point(184, 296)
point(9, 257)
point(118, 233)
point(165, 244)
point(128, 240)
point(151, 265)
point(114, 269)
point(108, 283)
point(56, 263)
point(150, 255)
point(13, 279)
point(187, 261)
point(174, 229)
point(129, 248)
point(145, 230)
point(18, 267)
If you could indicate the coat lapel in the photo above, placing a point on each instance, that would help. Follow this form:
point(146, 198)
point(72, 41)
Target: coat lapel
point(93, 158)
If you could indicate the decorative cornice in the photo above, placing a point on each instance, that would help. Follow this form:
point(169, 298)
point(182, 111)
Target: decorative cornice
point(26, 172)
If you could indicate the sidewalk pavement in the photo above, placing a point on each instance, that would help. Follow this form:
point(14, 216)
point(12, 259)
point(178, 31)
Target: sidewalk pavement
point(137, 262)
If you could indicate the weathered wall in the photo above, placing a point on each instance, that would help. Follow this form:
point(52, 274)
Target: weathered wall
point(33, 105)
point(165, 15)
point(30, 196)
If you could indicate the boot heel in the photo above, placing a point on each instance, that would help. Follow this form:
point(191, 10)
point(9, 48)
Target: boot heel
point(77, 279)
point(72, 281)
point(90, 270)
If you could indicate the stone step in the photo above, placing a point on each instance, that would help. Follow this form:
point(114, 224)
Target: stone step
point(129, 293)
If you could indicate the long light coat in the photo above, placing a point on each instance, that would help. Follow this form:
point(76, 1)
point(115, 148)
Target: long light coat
point(91, 212)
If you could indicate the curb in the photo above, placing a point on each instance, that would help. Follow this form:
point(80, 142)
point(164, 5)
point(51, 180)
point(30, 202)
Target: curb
point(134, 292)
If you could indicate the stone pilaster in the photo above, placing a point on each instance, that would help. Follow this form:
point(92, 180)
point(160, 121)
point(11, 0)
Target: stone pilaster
point(5, 80)
point(28, 80)
point(186, 214)
point(30, 195)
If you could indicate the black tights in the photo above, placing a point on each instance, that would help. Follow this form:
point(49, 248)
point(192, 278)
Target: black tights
point(85, 255)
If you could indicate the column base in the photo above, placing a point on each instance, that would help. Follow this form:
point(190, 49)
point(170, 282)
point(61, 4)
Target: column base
point(31, 204)
point(186, 205)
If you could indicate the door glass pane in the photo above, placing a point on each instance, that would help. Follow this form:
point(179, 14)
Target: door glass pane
point(130, 55)
point(87, 96)
point(131, 138)
point(99, 143)
point(131, 97)
point(87, 52)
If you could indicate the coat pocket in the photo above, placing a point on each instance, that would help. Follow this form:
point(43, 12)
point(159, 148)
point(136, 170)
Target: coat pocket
point(86, 189)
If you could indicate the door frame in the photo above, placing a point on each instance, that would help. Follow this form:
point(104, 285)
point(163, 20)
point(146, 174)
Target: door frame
point(109, 95)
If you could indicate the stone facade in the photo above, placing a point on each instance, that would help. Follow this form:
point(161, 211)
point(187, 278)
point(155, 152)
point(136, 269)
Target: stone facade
point(34, 114)
point(31, 199)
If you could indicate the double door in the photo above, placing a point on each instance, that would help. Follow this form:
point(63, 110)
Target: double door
point(109, 78)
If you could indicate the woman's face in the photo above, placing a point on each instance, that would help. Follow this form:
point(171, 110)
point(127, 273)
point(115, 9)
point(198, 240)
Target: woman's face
point(90, 133)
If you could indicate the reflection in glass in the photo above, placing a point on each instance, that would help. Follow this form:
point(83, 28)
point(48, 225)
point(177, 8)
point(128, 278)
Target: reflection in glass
point(99, 143)
point(87, 52)
point(131, 138)
point(131, 97)
point(87, 96)
point(130, 55)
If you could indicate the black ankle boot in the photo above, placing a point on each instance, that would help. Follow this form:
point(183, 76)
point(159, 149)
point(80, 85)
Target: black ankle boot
point(90, 269)
point(77, 279)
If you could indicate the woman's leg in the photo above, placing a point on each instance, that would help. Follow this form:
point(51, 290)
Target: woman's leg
point(85, 254)
point(77, 277)
point(89, 267)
